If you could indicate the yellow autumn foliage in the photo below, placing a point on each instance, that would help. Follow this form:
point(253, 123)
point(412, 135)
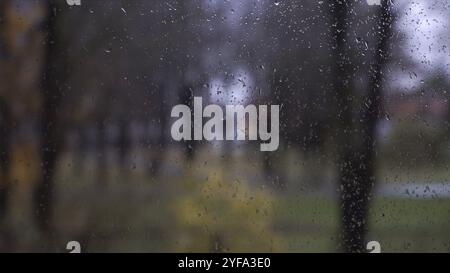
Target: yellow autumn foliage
point(221, 215)
point(25, 164)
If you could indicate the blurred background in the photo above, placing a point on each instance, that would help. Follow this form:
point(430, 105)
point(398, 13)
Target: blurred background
point(86, 153)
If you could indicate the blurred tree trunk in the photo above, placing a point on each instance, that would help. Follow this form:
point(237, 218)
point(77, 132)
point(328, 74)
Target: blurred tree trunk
point(6, 235)
point(357, 141)
point(158, 145)
point(4, 4)
point(369, 119)
point(5, 118)
point(80, 151)
point(101, 146)
point(342, 84)
point(186, 97)
point(273, 172)
point(50, 128)
point(5, 156)
point(124, 145)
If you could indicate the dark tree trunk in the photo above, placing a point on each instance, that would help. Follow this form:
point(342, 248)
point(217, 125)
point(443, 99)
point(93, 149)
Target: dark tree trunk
point(101, 147)
point(124, 144)
point(159, 145)
point(6, 233)
point(80, 151)
point(3, 7)
point(343, 96)
point(4, 4)
point(158, 150)
point(274, 173)
point(6, 127)
point(5, 156)
point(186, 97)
point(5, 121)
point(50, 127)
point(357, 154)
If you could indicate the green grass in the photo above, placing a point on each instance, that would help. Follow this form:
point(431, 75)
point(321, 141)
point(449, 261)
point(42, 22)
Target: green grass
point(409, 225)
point(135, 213)
point(400, 225)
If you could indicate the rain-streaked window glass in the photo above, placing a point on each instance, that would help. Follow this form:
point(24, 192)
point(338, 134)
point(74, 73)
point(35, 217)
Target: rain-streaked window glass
point(224, 126)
